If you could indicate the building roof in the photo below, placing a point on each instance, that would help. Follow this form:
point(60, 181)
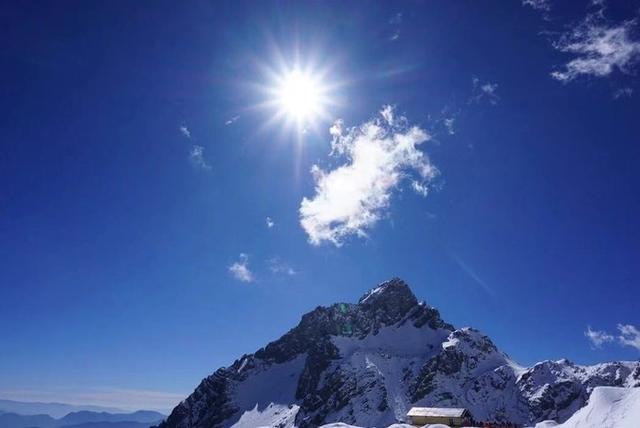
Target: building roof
point(446, 412)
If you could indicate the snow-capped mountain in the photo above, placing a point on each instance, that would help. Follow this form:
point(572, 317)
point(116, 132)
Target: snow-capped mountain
point(366, 364)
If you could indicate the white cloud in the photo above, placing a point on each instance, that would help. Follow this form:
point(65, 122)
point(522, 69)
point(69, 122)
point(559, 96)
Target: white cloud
point(449, 124)
point(598, 47)
point(196, 155)
point(622, 93)
point(542, 5)
point(232, 120)
point(598, 337)
point(484, 91)
point(240, 269)
point(376, 156)
point(395, 22)
point(420, 187)
point(185, 131)
point(278, 267)
point(270, 223)
point(629, 336)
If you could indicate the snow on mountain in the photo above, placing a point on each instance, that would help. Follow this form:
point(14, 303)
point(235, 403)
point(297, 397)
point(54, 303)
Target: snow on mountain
point(367, 364)
point(608, 407)
point(274, 415)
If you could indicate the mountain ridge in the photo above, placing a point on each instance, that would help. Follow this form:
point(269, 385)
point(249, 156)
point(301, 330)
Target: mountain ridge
point(53, 409)
point(137, 419)
point(367, 363)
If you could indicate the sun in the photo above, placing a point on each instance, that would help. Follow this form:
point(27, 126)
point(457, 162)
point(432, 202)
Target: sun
point(299, 96)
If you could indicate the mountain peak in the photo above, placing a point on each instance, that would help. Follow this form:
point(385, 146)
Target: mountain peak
point(394, 290)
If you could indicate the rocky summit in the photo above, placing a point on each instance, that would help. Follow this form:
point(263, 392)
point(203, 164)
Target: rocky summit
point(368, 363)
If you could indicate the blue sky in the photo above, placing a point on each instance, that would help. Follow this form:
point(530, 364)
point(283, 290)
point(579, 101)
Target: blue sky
point(142, 153)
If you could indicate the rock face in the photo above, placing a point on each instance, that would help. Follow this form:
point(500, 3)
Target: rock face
point(366, 364)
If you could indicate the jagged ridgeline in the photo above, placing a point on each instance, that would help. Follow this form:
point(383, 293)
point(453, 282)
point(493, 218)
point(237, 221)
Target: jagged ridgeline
point(368, 363)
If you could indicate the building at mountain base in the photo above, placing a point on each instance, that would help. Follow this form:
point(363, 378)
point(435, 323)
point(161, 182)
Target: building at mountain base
point(454, 417)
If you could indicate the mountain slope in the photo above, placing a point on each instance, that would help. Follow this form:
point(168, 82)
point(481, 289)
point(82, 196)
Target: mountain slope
point(608, 407)
point(367, 363)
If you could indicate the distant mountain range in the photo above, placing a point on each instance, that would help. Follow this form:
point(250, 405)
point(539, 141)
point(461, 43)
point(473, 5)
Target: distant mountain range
point(110, 425)
point(78, 419)
point(368, 363)
point(55, 410)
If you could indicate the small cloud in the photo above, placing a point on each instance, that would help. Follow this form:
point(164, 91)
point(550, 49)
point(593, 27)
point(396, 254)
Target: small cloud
point(449, 125)
point(599, 48)
point(622, 93)
point(420, 188)
point(232, 120)
point(598, 337)
point(240, 269)
point(278, 267)
point(484, 91)
point(270, 223)
point(376, 157)
point(395, 22)
point(196, 156)
point(396, 19)
point(444, 122)
point(387, 114)
point(185, 131)
point(629, 336)
point(540, 5)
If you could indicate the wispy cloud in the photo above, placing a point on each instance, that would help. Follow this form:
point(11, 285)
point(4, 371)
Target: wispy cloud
point(185, 131)
point(278, 267)
point(449, 124)
point(540, 5)
point(599, 48)
point(120, 398)
point(196, 156)
point(232, 120)
point(484, 91)
point(269, 222)
point(240, 269)
point(395, 22)
point(598, 337)
point(629, 335)
point(622, 93)
point(196, 153)
point(376, 157)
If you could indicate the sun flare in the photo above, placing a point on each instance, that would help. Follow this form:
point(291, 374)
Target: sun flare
point(299, 96)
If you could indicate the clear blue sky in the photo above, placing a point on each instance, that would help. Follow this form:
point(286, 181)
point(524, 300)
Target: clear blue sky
point(118, 230)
